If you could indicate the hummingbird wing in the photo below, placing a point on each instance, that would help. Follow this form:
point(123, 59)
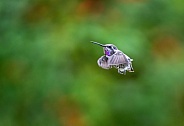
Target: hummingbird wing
point(118, 58)
point(102, 62)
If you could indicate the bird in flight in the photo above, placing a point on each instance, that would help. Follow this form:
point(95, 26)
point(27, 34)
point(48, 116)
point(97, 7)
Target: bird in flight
point(113, 57)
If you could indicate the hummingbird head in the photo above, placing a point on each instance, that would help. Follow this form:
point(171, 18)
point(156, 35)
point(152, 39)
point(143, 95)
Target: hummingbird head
point(109, 49)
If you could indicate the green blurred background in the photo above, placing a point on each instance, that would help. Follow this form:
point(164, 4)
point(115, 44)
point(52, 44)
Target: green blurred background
point(48, 70)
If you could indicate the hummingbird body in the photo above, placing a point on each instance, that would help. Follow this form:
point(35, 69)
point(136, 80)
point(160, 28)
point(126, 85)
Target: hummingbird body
point(114, 58)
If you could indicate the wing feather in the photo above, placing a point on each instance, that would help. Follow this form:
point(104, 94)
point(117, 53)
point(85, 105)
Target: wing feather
point(117, 58)
point(102, 62)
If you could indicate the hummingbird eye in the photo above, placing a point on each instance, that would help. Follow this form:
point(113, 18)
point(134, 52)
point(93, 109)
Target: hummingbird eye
point(114, 47)
point(109, 47)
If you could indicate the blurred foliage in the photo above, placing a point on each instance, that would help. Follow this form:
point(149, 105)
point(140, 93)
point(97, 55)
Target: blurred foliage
point(48, 70)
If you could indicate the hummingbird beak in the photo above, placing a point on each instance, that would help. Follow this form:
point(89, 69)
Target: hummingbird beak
point(97, 43)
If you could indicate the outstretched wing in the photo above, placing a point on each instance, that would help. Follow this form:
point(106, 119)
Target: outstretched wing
point(118, 58)
point(102, 62)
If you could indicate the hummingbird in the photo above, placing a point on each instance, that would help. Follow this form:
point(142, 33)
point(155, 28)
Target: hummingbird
point(113, 57)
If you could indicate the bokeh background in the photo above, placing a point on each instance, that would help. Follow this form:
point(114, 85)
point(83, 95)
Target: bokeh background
point(48, 70)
